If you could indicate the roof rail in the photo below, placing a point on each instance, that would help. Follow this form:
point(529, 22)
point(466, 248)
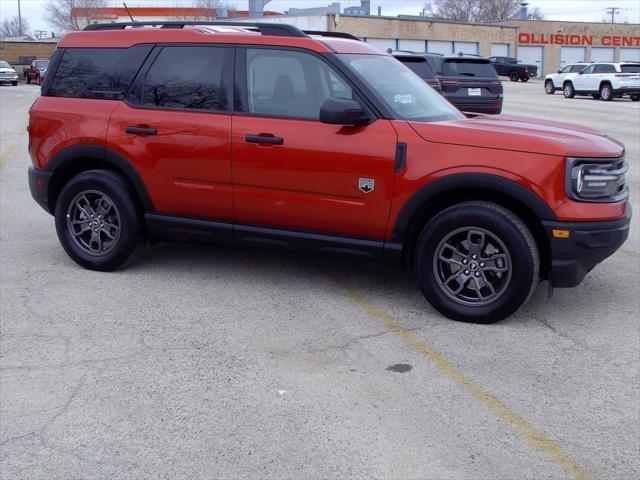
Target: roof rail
point(332, 34)
point(268, 29)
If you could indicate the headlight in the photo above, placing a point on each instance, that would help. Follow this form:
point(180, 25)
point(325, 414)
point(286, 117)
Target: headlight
point(597, 179)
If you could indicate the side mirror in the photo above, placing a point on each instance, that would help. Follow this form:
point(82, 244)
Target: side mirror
point(342, 111)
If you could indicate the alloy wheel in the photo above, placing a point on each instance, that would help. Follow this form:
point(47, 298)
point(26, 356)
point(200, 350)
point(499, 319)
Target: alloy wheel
point(93, 222)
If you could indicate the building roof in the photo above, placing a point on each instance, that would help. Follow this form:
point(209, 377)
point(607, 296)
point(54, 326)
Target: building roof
point(112, 13)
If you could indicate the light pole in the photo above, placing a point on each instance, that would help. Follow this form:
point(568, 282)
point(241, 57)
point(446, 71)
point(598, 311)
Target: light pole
point(19, 20)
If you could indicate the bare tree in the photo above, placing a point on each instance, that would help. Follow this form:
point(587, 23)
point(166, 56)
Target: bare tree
point(71, 15)
point(13, 27)
point(535, 14)
point(210, 8)
point(474, 11)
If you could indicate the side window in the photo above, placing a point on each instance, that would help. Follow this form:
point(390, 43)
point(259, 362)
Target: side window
point(575, 68)
point(97, 72)
point(589, 69)
point(186, 77)
point(290, 83)
point(567, 69)
point(605, 69)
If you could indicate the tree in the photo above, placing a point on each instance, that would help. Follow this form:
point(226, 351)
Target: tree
point(210, 9)
point(13, 27)
point(71, 15)
point(535, 14)
point(474, 11)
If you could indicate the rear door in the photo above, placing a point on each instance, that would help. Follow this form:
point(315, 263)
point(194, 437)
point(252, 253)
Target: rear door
point(294, 172)
point(175, 127)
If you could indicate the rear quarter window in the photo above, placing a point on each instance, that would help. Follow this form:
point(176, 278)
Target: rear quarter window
point(630, 68)
point(469, 68)
point(419, 66)
point(97, 72)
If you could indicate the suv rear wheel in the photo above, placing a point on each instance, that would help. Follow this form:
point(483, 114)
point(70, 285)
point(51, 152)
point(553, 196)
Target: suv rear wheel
point(477, 262)
point(514, 76)
point(606, 92)
point(97, 221)
point(568, 90)
point(549, 87)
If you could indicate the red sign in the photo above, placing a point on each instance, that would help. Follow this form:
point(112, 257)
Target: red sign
point(575, 39)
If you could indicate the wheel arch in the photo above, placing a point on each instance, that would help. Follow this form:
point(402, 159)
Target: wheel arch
point(447, 191)
point(81, 158)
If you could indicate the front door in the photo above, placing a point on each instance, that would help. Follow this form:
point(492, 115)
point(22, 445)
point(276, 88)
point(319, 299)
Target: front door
point(294, 172)
point(175, 128)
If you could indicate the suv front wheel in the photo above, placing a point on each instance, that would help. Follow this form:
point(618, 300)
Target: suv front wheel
point(97, 221)
point(477, 262)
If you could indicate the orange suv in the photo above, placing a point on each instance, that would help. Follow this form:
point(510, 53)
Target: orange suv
point(265, 135)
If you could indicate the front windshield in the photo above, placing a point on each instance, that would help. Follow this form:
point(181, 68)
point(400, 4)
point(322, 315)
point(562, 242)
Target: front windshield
point(406, 95)
point(4, 64)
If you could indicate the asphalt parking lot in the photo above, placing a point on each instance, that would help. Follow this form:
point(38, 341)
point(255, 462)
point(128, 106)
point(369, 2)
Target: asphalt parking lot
point(199, 362)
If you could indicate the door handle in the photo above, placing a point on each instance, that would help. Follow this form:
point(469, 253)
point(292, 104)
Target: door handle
point(264, 139)
point(141, 130)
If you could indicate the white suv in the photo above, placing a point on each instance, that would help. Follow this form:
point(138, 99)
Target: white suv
point(554, 81)
point(604, 81)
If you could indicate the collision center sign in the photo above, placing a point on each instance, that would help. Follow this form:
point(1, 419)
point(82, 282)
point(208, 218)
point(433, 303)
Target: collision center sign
point(575, 39)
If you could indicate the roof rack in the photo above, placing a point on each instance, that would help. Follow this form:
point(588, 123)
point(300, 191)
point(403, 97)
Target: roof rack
point(332, 34)
point(268, 29)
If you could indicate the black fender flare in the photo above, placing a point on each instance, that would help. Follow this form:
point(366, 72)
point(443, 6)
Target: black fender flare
point(106, 158)
point(484, 181)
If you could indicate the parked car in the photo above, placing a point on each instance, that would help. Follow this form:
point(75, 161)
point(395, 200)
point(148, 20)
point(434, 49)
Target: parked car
point(420, 66)
point(510, 67)
point(337, 149)
point(605, 81)
point(8, 74)
point(36, 71)
point(468, 81)
point(554, 81)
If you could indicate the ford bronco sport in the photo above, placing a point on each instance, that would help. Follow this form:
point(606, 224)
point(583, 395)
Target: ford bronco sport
point(262, 134)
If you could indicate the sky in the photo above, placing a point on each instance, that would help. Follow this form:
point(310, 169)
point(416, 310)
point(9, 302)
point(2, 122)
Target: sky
point(569, 10)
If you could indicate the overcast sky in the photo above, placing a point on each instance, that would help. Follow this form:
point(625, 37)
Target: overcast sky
point(577, 10)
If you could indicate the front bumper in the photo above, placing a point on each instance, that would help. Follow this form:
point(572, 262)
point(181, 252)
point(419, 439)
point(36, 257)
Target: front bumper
point(588, 244)
point(39, 186)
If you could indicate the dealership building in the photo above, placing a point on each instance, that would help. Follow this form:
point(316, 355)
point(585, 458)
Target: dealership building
point(548, 44)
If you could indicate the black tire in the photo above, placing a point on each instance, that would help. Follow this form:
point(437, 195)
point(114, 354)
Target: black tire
point(522, 260)
point(568, 91)
point(116, 190)
point(15, 84)
point(549, 87)
point(524, 79)
point(635, 98)
point(606, 92)
point(514, 76)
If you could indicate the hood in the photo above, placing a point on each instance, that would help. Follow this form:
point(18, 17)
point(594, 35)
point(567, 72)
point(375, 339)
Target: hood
point(507, 132)
point(10, 70)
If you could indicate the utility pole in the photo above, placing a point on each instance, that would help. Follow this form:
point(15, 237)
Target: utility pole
point(19, 19)
point(613, 11)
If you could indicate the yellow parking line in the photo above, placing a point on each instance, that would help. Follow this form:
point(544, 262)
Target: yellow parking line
point(551, 449)
point(6, 153)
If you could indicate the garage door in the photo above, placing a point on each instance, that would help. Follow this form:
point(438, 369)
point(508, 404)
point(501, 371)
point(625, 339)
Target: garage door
point(572, 55)
point(599, 54)
point(412, 45)
point(500, 49)
point(465, 47)
point(630, 54)
point(532, 56)
point(437, 46)
point(382, 43)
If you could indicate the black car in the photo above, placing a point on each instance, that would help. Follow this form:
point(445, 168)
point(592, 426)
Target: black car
point(468, 81)
point(420, 66)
